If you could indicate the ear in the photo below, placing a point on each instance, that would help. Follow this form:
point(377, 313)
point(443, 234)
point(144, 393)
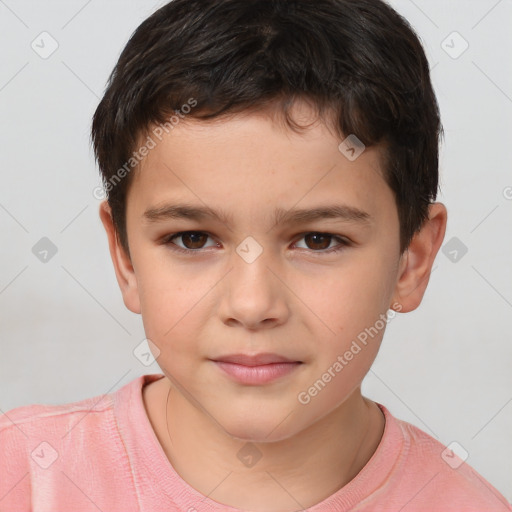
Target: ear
point(416, 262)
point(122, 264)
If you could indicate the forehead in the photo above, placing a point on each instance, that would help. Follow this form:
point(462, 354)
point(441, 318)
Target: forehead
point(248, 164)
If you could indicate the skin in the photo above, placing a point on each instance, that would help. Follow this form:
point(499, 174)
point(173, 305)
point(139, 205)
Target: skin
point(295, 300)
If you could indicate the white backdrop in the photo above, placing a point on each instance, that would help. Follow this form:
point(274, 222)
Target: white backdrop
point(65, 333)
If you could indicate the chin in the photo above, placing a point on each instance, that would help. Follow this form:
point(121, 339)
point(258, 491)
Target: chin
point(259, 429)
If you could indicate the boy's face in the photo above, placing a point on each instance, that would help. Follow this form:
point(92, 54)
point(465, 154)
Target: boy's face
point(295, 299)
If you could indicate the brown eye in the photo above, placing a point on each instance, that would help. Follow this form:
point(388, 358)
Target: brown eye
point(321, 243)
point(194, 240)
point(190, 240)
point(318, 241)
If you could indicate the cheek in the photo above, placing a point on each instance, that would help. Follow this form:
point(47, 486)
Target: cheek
point(166, 290)
point(352, 298)
point(351, 306)
point(170, 303)
point(348, 337)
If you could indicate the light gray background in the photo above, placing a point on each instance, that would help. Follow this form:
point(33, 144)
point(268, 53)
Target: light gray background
point(65, 332)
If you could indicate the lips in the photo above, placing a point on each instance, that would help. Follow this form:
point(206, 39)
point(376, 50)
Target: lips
point(256, 370)
point(254, 360)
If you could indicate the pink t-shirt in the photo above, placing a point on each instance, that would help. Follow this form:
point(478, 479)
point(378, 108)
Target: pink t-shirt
point(101, 454)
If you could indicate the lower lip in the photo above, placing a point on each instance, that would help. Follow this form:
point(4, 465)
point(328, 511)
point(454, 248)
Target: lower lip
point(257, 374)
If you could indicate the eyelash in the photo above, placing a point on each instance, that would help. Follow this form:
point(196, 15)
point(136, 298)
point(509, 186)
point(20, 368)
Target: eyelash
point(343, 243)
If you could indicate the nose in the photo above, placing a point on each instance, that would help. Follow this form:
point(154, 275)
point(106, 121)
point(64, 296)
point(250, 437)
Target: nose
point(253, 295)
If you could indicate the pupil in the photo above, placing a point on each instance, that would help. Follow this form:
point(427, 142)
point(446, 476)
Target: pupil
point(195, 237)
point(318, 238)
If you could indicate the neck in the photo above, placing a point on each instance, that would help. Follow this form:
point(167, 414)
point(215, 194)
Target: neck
point(329, 453)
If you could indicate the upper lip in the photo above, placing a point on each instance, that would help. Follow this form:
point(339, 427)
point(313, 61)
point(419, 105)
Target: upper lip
point(254, 360)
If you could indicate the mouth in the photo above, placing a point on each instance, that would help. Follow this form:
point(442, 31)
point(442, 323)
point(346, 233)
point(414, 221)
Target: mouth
point(256, 369)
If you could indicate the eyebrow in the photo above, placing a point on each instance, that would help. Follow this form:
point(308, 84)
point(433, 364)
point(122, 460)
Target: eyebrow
point(281, 216)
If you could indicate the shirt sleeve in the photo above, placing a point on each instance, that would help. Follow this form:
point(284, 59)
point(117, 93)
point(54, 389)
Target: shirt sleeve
point(15, 482)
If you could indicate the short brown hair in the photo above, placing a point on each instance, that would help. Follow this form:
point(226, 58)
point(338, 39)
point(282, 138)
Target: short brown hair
point(358, 60)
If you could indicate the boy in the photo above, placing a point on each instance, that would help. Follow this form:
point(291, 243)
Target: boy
point(271, 169)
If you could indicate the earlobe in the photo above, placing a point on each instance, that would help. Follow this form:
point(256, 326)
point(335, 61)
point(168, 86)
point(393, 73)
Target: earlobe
point(417, 261)
point(123, 267)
